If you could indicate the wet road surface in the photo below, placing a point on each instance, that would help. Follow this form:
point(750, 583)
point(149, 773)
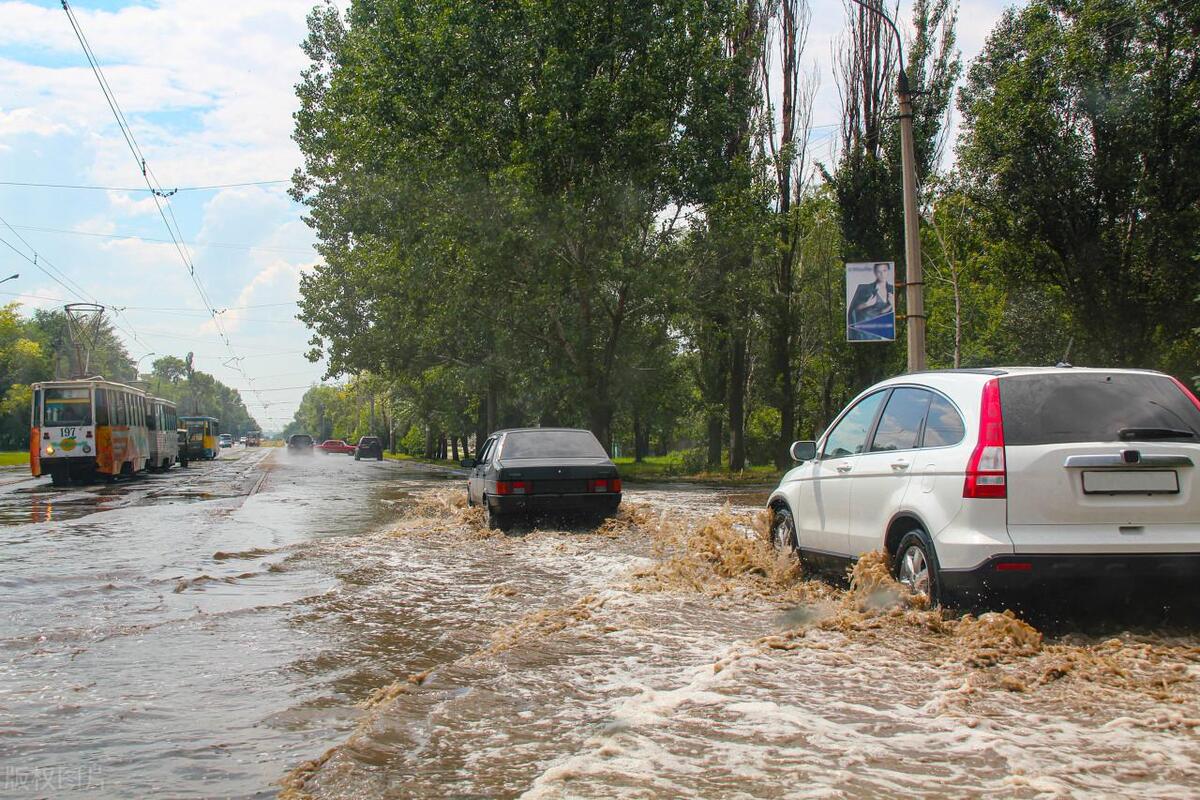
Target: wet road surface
point(319, 627)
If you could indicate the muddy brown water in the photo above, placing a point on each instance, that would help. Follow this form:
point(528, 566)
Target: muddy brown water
point(348, 630)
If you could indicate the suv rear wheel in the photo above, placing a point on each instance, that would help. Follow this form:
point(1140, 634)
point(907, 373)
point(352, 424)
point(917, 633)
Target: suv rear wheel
point(915, 566)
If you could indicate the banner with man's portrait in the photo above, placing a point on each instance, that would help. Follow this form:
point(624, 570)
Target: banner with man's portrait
point(871, 301)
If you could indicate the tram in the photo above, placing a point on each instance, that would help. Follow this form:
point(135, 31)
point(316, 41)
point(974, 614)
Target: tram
point(88, 427)
point(202, 436)
point(161, 424)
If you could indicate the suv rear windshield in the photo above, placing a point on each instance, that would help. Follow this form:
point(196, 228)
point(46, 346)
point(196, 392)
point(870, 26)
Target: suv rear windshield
point(368, 440)
point(1094, 407)
point(302, 438)
point(552, 444)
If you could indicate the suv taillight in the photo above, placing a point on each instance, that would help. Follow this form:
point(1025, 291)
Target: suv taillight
point(513, 487)
point(986, 473)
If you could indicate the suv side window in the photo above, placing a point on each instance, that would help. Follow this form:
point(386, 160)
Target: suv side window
point(849, 436)
point(900, 426)
point(944, 425)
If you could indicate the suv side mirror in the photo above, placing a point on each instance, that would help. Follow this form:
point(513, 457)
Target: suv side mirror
point(804, 451)
point(467, 463)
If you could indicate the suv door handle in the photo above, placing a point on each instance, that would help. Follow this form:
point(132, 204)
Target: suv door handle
point(843, 467)
point(899, 465)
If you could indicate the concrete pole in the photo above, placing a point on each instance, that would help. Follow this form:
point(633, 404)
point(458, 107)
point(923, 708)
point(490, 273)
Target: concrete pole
point(914, 282)
point(914, 289)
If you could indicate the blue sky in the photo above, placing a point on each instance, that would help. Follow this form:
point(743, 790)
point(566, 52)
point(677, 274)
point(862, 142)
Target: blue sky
point(209, 90)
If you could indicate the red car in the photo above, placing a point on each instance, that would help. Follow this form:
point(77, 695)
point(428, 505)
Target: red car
point(335, 446)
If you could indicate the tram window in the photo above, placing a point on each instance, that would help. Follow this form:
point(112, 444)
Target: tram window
point(102, 406)
point(68, 407)
point(37, 408)
point(122, 408)
point(152, 417)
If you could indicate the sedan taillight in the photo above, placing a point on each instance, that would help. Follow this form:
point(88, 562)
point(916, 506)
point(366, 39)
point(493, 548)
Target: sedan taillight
point(513, 487)
point(604, 485)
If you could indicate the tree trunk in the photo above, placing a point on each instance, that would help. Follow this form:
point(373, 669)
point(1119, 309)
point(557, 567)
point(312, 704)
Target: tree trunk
point(641, 438)
point(716, 430)
point(737, 402)
point(493, 406)
point(481, 429)
point(430, 442)
point(781, 357)
point(454, 447)
point(600, 422)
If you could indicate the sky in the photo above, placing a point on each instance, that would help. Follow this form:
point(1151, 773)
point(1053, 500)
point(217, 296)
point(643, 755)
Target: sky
point(208, 89)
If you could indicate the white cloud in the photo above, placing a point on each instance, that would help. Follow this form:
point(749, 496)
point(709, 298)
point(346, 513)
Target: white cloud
point(29, 120)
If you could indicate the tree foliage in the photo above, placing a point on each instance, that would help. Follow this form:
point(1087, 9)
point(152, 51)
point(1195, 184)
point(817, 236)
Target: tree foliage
point(563, 213)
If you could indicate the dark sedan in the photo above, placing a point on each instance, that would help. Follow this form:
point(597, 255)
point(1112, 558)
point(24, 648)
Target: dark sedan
point(300, 443)
point(368, 447)
point(542, 470)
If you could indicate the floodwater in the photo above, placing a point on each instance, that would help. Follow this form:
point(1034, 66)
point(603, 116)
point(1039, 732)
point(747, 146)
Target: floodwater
point(319, 627)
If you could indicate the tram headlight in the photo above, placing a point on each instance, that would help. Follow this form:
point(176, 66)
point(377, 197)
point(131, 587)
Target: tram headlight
point(49, 449)
point(87, 448)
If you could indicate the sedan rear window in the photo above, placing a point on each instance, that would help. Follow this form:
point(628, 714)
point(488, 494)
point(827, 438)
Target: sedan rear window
point(1095, 407)
point(552, 444)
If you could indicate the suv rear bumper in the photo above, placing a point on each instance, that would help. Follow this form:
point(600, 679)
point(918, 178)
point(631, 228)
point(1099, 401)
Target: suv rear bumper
point(563, 503)
point(1008, 574)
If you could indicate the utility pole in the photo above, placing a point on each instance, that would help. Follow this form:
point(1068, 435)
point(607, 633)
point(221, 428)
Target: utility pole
point(914, 282)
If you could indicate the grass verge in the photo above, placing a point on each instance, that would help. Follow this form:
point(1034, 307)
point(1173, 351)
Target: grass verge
point(13, 458)
point(671, 467)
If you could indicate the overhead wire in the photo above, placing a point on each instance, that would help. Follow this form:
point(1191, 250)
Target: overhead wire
point(220, 245)
point(61, 278)
point(35, 185)
point(154, 185)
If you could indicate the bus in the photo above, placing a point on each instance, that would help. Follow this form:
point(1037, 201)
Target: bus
point(202, 437)
point(161, 424)
point(84, 428)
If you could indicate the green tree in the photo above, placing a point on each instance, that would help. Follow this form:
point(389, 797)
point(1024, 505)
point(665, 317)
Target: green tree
point(1082, 146)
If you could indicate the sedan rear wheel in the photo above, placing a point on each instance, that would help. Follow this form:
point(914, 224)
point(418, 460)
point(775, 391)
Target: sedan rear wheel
point(916, 566)
point(494, 520)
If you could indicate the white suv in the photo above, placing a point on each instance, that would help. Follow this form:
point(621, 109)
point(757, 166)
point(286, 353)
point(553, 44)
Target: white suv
point(981, 481)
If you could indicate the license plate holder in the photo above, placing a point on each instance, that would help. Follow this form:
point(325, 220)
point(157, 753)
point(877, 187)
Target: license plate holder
point(1131, 481)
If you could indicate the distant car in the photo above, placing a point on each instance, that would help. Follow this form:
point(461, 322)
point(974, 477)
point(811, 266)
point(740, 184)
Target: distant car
point(540, 470)
point(226, 440)
point(982, 483)
point(335, 446)
point(242, 440)
point(253, 439)
point(300, 443)
point(369, 447)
